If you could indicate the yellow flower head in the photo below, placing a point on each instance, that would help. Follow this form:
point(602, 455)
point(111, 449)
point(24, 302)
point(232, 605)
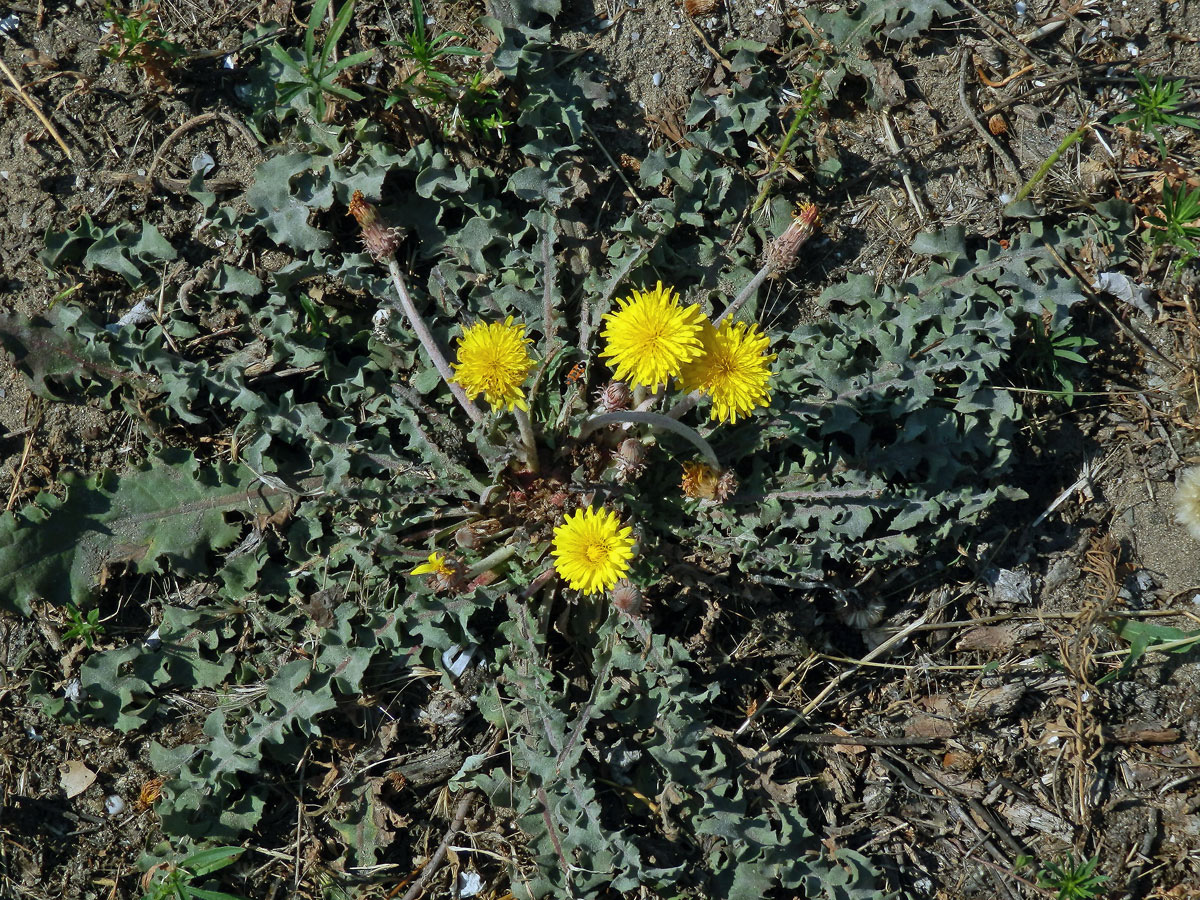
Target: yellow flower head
point(734, 370)
point(435, 565)
point(651, 336)
point(493, 360)
point(592, 550)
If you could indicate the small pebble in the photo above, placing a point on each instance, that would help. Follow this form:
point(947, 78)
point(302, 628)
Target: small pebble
point(656, 78)
point(114, 805)
point(636, 37)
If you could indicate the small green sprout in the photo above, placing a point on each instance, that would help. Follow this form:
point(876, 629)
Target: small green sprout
point(1051, 351)
point(1155, 108)
point(316, 70)
point(1071, 880)
point(1177, 223)
point(135, 40)
point(86, 627)
point(425, 82)
point(173, 881)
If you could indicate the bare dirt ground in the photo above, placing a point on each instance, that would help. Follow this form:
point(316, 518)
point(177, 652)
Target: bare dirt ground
point(1000, 745)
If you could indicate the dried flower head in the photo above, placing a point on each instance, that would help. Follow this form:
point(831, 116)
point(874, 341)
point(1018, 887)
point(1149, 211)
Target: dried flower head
point(734, 370)
point(615, 396)
point(630, 457)
point(592, 550)
point(702, 482)
point(628, 598)
point(379, 240)
point(783, 252)
point(1187, 500)
point(651, 335)
point(493, 360)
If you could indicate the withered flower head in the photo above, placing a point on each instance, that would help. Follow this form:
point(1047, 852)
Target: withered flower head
point(781, 254)
point(702, 482)
point(379, 240)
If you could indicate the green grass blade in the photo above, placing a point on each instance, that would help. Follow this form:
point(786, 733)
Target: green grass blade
point(340, 21)
point(310, 32)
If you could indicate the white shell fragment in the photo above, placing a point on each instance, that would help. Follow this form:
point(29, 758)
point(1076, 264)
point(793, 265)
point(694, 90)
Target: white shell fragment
point(75, 777)
point(114, 805)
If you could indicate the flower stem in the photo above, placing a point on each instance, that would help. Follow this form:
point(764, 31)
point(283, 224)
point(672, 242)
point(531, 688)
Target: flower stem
point(527, 438)
point(654, 420)
point(431, 348)
point(751, 286)
point(501, 554)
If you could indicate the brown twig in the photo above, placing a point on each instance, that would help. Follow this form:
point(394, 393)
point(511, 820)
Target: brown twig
point(36, 110)
point(196, 122)
point(460, 816)
point(19, 471)
point(999, 149)
point(174, 185)
point(979, 73)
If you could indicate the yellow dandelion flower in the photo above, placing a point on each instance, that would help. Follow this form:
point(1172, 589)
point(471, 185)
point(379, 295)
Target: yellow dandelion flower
point(592, 550)
point(734, 370)
point(435, 565)
point(493, 360)
point(651, 336)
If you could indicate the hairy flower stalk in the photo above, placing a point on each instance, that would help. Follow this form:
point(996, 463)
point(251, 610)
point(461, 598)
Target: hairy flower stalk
point(382, 243)
point(781, 255)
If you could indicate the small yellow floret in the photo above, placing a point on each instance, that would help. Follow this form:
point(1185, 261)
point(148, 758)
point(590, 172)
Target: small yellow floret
point(493, 360)
point(592, 550)
point(734, 370)
point(650, 336)
point(435, 565)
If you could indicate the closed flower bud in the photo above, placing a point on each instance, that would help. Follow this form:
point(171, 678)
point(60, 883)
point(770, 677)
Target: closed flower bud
point(783, 252)
point(628, 598)
point(378, 239)
point(616, 396)
point(630, 457)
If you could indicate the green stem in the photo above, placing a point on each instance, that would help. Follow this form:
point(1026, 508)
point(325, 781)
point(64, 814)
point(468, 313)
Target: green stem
point(654, 420)
point(1062, 148)
point(431, 348)
point(489, 562)
point(527, 438)
point(811, 93)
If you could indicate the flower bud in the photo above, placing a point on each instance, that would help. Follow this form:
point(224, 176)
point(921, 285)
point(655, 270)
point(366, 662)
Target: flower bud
point(782, 253)
point(702, 482)
point(379, 240)
point(616, 396)
point(630, 458)
point(628, 598)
